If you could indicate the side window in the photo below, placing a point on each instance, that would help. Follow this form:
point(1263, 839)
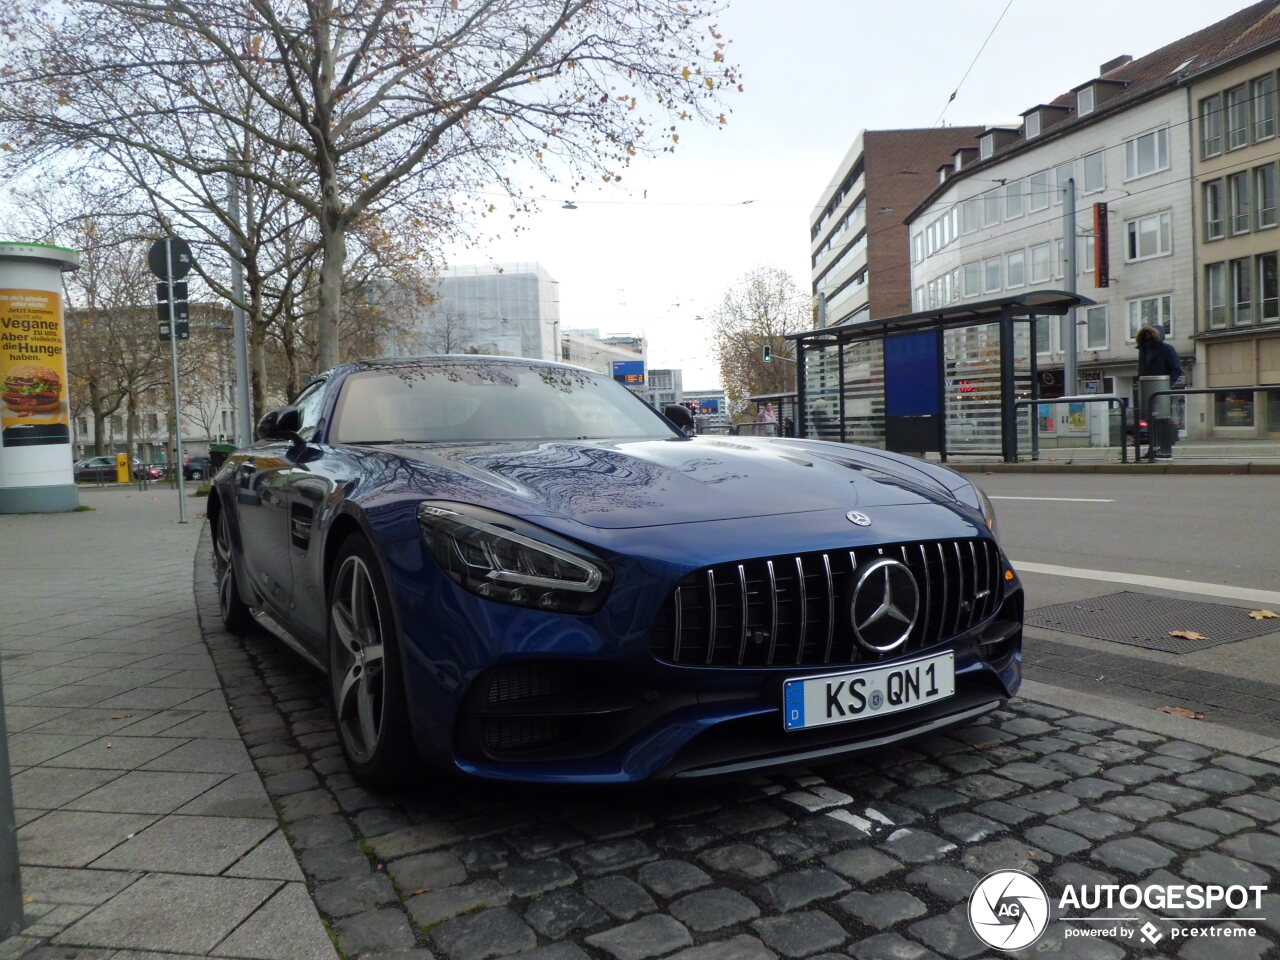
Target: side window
point(310, 404)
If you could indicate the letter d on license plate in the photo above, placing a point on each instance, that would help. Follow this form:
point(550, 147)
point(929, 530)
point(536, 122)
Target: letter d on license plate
point(870, 692)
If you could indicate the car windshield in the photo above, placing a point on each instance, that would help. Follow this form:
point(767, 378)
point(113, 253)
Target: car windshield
point(437, 401)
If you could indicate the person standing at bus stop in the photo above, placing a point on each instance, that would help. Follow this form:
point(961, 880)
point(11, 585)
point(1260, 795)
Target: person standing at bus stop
point(769, 417)
point(1157, 358)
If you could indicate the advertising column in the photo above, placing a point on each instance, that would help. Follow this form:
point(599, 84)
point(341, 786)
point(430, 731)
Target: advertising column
point(35, 417)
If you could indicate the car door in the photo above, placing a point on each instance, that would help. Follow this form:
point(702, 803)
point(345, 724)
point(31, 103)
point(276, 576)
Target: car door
point(261, 477)
point(316, 472)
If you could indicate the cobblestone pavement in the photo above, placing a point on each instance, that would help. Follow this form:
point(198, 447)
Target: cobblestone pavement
point(870, 859)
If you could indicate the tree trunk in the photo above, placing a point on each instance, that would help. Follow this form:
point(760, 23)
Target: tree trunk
point(334, 247)
point(258, 368)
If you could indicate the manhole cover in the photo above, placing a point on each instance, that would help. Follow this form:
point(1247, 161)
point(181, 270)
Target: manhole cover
point(1143, 620)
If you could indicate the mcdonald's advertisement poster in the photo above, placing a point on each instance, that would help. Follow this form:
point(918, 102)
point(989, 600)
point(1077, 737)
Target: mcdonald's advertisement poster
point(33, 369)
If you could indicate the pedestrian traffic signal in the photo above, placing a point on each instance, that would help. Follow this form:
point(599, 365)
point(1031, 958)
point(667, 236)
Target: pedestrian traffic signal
point(768, 352)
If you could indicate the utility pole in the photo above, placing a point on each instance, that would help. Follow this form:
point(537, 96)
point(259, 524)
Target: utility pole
point(10, 878)
point(243, 432)
point(1070, 378)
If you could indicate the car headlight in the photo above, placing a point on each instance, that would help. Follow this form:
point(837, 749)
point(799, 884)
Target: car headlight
point(508, 560)
point(988, 509)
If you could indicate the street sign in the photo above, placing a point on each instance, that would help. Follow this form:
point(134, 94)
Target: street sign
point(179, 291)
point(164, 330)
point(168, 250)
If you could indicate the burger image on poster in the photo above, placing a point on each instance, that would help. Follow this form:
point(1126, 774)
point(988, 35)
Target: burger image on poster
point(32, 388)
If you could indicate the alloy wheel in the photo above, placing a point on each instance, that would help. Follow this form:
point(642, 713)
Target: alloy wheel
point(222, 565)
point(358, 666)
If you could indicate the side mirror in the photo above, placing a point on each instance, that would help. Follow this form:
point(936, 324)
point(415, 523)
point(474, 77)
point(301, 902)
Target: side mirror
point(280, 424)
point(679, 415)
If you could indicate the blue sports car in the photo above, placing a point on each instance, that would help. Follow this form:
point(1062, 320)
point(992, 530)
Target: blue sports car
point(521, 570)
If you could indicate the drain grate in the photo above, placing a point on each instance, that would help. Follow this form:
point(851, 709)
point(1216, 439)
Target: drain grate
point(1143, 620)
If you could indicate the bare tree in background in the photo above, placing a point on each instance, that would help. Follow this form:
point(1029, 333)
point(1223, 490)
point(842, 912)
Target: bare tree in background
point(384, 109)
point(762, 309)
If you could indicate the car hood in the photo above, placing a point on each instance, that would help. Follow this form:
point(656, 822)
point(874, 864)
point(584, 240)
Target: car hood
point(621, 484)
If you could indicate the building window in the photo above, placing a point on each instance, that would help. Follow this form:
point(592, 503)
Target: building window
point(1061, 174)
point(1013, 194)
point(1095, 174)
point(1039, 189)
point(972, 279)
point(1146, 154)
point(1213, 225)
point(1040, 266)
point(1233, 409)
point(1095, 328)
point(84, 426)
point(1084, 102)
point(1238, 192)
point(1215, 294)
point(1043, 327)
point(1264, 107)
point(1015, 269)
point(1059, 259)
point(1241, 292)
point(917, 248)
point(919, 298)
point(1211, 126)
point(1264, 193)
point(1148, 237)
point(1031, 125)
point(991, 275)
point(1090, 253)
point(117, 424)
point(1237, 117)
point(986, 146)
point(1268, 287)
point(991, 207)
point(970, 216)
point(1150, 311)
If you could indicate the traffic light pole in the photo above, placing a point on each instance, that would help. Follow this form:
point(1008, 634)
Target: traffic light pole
point(177, 394)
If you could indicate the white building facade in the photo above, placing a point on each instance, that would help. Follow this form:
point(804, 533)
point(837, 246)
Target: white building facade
point(995, 227)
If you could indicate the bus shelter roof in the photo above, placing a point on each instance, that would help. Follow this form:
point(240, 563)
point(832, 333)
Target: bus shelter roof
point(1022, 305)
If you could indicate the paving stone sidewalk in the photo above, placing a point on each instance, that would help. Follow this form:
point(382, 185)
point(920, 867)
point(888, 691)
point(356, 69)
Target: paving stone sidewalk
point(144, 829)
point(868, 859)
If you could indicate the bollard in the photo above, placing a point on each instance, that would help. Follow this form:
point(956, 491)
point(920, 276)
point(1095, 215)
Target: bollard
point(10, 879)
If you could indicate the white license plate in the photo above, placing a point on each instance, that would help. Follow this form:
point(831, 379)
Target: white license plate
point(870, 692)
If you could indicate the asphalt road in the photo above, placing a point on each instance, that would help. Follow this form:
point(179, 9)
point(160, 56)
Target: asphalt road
point(1213, 529)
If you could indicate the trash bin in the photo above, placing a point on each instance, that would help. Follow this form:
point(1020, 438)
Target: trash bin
point(1159, 413)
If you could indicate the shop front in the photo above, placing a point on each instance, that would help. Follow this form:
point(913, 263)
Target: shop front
point(1246, 362)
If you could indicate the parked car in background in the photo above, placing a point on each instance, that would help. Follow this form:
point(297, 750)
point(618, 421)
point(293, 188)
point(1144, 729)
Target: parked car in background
point(1142, 427)
point(197, 468)
point(520, 570)
point(103, 470)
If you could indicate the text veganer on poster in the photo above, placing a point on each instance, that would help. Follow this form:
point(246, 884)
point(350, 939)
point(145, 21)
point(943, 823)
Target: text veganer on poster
point(33, 369)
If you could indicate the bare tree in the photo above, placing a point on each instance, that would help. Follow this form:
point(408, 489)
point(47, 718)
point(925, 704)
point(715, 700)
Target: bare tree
point(381, 108)
point(763, 309)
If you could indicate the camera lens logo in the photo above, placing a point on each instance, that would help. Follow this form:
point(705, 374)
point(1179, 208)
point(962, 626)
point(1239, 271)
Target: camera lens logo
point(1008, 910)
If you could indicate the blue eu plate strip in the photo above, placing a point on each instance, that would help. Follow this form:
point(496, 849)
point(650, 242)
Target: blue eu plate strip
point(793, 705)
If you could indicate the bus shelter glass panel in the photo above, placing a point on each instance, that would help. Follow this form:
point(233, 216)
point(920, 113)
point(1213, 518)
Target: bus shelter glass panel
point(822, 392)
point(864, 392)
point(972, 381)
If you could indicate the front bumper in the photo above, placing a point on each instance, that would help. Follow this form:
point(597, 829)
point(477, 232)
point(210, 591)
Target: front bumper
point(508, 693)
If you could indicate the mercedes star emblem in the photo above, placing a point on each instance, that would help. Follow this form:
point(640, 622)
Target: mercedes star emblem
point(861, 519)
point(885, 605)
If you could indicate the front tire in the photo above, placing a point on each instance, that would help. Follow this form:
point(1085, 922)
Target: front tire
point(236, 617)
point(366, 679)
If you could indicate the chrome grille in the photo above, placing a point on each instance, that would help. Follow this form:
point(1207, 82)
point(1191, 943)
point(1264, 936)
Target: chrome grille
point(794, 610)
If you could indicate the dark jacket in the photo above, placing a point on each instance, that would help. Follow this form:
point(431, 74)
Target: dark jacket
point(1155, 357)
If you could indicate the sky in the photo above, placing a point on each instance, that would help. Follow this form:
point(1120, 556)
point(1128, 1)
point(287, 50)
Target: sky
point(656, 254)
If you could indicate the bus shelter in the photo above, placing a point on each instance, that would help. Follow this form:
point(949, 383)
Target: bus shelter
point(944, 381)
